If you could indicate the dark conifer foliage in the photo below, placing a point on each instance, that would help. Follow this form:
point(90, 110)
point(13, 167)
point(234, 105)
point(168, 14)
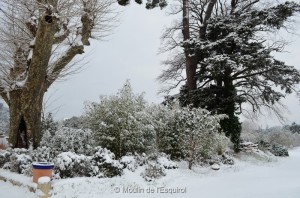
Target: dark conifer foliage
point(237, 67)
point(149, 4)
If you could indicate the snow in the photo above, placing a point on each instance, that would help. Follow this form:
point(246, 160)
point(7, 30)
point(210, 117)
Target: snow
point(77, 41)
point(7, 190)
point(246, 179)
point(17, 177)
point(215, 167)
point(44, 180)
point(43, 163)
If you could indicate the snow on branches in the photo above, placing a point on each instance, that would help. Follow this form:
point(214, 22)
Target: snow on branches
point(51, 31)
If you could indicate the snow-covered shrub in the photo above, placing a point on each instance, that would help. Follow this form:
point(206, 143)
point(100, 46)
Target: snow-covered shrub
point(264, 145)
point(129, 162)
point(100, 164)
point(187, 133)
point(4, 157)
point(69, 164)
point(273, 135)
point(75, 122)
point(48, 124)
point(222, 143)
point(80, 141)
point(227, 159)
point(141, 159)
point(43, 154)
point(19, 161)
point(104, 163)
point(199, 131)
point(121, 123)
point(153, 171)
point(160, 159)
point(282, 137)
point(168, 130)
point(165, 161)
point(279, 150)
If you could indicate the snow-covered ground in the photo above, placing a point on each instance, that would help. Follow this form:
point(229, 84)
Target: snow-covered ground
point(248, 178)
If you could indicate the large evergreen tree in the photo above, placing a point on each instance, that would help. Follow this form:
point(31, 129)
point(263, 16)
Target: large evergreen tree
point(234, 64)
point(238, 67)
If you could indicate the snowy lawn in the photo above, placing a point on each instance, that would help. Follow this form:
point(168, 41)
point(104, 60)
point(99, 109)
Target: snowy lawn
point(246, 179)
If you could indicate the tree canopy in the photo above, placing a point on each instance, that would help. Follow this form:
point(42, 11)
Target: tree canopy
point(232, 58)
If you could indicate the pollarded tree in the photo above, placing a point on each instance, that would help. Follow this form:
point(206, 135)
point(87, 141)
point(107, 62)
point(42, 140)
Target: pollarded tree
point(39, 41)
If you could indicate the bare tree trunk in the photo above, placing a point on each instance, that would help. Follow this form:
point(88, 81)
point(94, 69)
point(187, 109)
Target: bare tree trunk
point(192, 59)
point(190, 62)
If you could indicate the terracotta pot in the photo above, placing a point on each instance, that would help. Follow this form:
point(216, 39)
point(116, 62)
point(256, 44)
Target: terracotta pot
point(41, 169)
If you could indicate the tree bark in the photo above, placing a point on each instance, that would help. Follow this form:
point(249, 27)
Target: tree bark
point(193, 58)
point(231, 125)
point(25, 99)
point(190, 62)
point(25, 119)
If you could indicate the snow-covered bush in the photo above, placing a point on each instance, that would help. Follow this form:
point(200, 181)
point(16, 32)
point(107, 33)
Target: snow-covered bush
point(43, 154)
point(194, 132)
point(100, 164)
point(4, 157)
point(48, 124)
point(222, 143)
point(75, 122)
point(279, 150)
point(188, 133)
point(153, 171)
point(104, 163)
point(200, 130)
point(264, 145)
point(271, 136)
point(80, 141)
point(121, 123)
point(69, 164)
point(19, 161)
point(165, 161)
point(227, 159)
point(129, 162)
point(282, 137)
point(166, 121)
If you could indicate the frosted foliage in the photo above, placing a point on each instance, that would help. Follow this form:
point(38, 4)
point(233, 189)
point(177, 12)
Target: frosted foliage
point(126, 123)
point(187, 133)
point(75, 122)
point(153, 171)
point(65, 139)
point(129, 162)
point(121, 123)
point(273, 136)
point(100, 164)
point(16, 160)
point(4, 119)
point(49, 124)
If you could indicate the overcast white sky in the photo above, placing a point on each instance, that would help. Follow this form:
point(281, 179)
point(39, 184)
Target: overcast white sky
point(131, 53)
